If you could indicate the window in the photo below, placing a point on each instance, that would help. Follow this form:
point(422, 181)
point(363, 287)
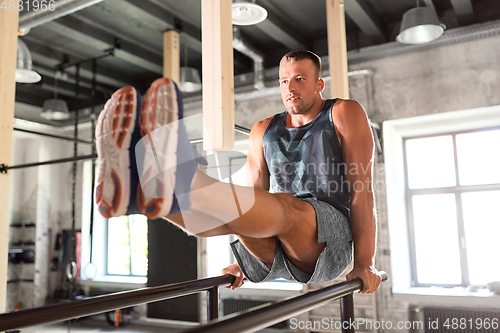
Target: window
point(442, 191)
point(119, 245)
point(127, 245)
point(453, 187)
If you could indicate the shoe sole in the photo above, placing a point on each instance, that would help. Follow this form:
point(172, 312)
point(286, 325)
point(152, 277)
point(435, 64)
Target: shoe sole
point(157, 177)
point(114, 130)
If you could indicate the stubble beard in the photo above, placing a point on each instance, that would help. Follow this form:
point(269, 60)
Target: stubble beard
point(302, 108)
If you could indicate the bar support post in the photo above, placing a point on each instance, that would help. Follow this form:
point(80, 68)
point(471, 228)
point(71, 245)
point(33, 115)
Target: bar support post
point(213, 303)
point(347, 313)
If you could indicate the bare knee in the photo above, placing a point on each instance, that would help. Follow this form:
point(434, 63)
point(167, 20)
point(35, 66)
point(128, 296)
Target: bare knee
point(263, 249)
point(178, 220)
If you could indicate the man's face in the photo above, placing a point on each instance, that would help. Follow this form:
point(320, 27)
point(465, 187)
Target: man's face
point(299, 85)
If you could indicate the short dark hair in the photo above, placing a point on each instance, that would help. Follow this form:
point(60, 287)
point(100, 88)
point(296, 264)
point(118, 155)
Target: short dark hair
point(301, 55)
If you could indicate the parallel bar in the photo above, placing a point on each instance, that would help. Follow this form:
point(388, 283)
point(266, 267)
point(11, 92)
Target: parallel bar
point(54, 136)
point(213, 303)
point(99, 304)
point(265, 315)
point(347, 313)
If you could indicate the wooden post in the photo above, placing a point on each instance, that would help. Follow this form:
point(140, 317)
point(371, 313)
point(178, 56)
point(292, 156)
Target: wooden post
point(9, 21)
point(337, 49)
point(171, 55)
point(218, 76)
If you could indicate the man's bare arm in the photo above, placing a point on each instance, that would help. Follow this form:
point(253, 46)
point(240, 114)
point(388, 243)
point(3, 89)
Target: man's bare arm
point(358, 149)
point(257, 176)
point(256, 167)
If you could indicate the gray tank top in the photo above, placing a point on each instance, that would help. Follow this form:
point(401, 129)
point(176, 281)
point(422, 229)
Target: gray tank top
point(307, 161)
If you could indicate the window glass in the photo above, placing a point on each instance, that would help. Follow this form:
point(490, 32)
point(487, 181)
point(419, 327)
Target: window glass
point(479, 157)
point(482, 228)
point(430, 162)
point(128, 245)
point(118, 246)
point(436, 239)
point(139, 244)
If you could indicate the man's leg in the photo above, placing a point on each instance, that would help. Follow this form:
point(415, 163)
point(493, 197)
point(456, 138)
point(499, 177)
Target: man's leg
point(262, 248)
point(259, 215)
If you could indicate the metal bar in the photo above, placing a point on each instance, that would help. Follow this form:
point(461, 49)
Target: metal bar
point(213, 303)
point(54, 136)
point(99, 304)
point(347, 313)
point(265, 315)
point(241, 129)
point(4, 168)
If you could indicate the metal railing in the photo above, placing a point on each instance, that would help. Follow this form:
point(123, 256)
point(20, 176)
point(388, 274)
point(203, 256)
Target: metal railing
point(247, 321)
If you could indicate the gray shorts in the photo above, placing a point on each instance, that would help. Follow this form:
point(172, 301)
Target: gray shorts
point(333, 228)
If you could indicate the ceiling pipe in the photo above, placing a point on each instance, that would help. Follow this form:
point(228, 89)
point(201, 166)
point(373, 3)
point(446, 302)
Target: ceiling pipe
point(62, 8)
point(258, 59)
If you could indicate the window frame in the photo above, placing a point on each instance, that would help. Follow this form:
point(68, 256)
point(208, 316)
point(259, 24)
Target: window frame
point(394, 197)
point(457, 191)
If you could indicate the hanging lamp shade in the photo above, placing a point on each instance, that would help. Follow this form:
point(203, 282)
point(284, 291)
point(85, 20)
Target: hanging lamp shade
point(420, 25)
point(55, 109)
point(24, 73)
point(189, 80)
point(247, 12)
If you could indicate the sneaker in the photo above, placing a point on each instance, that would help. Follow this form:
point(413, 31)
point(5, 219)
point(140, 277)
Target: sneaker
point(169, 161)
point(116, 132)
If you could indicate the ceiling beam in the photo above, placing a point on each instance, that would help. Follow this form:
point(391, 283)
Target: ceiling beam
point(279, 30)
point(280, 34)
point(190, 35)
point(99, 39)
point(366, 18)
point(464, 11)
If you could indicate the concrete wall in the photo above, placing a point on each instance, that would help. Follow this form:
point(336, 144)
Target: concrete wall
point(455, 77)
point(42, 195)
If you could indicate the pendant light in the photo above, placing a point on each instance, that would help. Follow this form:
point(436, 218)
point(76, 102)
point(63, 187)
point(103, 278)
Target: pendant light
point(24, 73)
point(420, 25)
point(189, 78)
point(247, 12)
point(55, 109)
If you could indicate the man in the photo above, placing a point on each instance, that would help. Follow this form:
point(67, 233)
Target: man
point(304, 231)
